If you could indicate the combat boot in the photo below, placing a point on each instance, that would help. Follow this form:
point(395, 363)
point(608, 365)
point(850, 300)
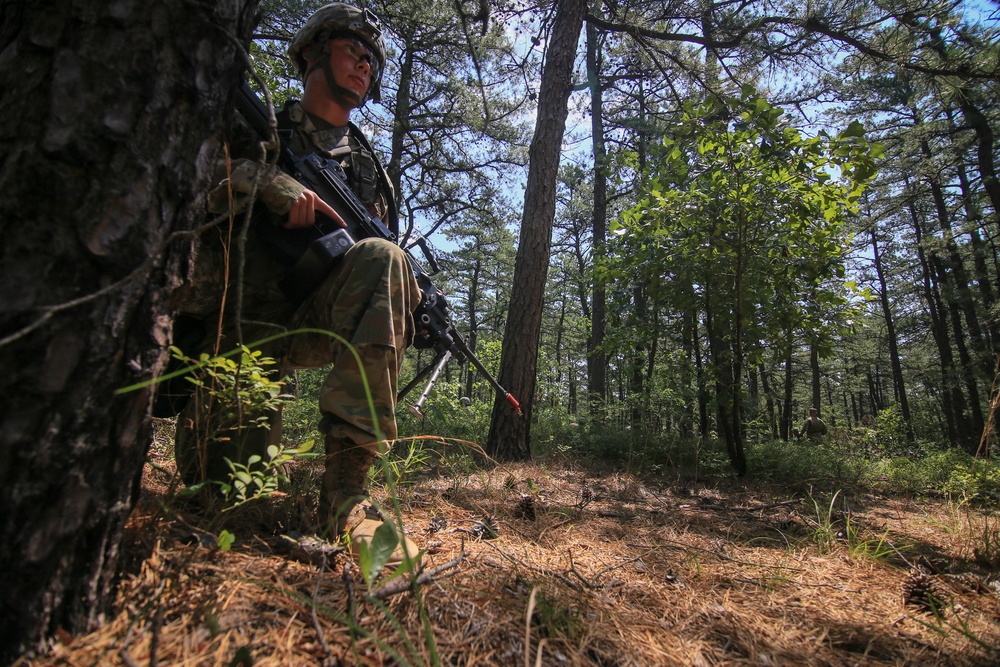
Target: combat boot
point(343, 502)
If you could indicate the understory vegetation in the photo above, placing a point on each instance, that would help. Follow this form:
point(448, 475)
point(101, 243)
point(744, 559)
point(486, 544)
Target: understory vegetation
point(878, 458)
point(841, 552)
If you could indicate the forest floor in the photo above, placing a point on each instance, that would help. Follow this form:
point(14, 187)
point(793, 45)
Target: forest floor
point(586, 566)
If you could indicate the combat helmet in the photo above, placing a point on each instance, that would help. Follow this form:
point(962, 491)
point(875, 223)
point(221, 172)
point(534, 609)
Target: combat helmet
point(338, 18)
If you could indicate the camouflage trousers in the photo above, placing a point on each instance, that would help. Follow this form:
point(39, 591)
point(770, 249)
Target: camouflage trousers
point(368, 302)
point(360, 321)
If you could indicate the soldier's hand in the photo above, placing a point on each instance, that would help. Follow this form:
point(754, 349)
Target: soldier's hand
point(303, 213)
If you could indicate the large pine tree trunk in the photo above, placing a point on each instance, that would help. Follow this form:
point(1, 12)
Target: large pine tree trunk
point(112, 115)
point(597, 361)
point(952, 399)
point(979, 255)
point(510, 435)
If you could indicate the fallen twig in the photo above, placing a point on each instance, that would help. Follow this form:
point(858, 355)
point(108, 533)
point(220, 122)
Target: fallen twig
point(352, 610)
point(400, 585)
point(783, 503)
point(558, 575)
point(331, 659)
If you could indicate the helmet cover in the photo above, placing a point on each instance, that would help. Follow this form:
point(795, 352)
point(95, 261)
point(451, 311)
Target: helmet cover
point(337, 19)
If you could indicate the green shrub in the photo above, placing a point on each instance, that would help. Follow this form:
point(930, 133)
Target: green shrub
point(235, 394)
point(300, 418)
point(951, 472)
point(805, 464)
point(445, 415)
point(974, 479)
point(903, 475)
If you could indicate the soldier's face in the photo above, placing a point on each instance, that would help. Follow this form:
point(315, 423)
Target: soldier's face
point(353, 65)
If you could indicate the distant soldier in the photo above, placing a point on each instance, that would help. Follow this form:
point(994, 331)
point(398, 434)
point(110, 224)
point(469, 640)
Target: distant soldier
point(814, 428)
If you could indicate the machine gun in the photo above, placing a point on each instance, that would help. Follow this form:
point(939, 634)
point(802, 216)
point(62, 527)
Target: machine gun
point(312, 252)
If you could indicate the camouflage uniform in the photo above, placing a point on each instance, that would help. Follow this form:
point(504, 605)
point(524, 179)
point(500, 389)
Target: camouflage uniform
point(814, 428)
point(367, 300)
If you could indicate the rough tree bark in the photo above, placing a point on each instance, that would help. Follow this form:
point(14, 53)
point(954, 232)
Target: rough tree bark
point(113, 113)
point(510, 435)
point(597, 360)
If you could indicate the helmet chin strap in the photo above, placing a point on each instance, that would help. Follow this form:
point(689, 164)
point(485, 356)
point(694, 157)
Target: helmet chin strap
point(342, 95)
point(338, 92)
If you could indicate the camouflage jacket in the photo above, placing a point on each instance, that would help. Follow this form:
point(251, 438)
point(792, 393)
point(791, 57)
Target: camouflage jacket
point(212, 276)
point(814, 427)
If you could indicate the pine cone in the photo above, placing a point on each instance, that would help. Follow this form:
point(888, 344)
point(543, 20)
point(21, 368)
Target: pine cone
point(487, 529)
point(922, 591)
point(437, 524)
point(509, 483)
point(526, 508)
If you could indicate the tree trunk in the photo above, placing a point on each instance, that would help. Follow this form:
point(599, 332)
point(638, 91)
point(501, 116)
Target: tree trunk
point(597, 361)
point(686, 375)
point(560, 331)
point(786, 411)
point(952, 399)
point(400, 128)
point(637, 360)
point(772, 420)
point(967, 428)
point(118, 108)
point(699, 367)
point(890, 326)
point(510, 434)
point(814, 375)
point(951, 276)
point(954, 275)
point(974, 217)
point(651, 353)
point(727, 388)
point(472, 305)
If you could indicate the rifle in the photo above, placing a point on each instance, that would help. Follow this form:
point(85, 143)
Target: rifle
point(312, 252)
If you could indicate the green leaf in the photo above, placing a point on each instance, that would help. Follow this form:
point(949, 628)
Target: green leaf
point(384, 542)
point(225, 540)
point(855, 129)
point(864, 171)
point(242, 657)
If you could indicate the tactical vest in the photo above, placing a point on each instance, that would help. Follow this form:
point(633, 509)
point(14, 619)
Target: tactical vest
point(306, 133)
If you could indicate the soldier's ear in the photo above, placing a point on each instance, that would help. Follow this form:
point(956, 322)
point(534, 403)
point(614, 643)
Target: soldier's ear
point(310, 53)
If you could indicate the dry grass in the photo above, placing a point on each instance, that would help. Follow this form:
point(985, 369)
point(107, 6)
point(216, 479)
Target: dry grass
point(616, 572)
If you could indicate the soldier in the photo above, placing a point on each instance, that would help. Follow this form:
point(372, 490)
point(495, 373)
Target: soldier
point(368, 299)
point(814, 428)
